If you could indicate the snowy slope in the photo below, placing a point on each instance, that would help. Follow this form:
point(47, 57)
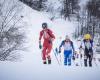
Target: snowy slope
point(31, 67)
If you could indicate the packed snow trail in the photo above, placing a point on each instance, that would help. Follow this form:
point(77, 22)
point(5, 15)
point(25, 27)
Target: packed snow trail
point(31, 67)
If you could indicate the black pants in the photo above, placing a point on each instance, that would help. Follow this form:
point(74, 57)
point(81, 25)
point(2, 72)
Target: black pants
point(88, 56)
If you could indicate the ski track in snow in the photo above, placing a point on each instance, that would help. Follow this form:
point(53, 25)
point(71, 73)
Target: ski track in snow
point(31, 67)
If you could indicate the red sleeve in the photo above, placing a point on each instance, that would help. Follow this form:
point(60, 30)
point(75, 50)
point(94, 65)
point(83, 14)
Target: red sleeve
point(51, 34)
point(41, 34)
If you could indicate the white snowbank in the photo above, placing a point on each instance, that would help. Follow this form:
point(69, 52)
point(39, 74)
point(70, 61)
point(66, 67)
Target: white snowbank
point(31, 68)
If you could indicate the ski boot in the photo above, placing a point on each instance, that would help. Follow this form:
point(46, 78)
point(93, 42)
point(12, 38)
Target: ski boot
point(90, 63)
point(44, 62)
point(49, 61)
point(85, 62)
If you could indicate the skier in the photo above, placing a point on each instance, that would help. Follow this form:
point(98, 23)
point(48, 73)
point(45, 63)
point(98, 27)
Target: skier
point(77, 57)
point(68, 49)
point(48, 37)
point(87, 45)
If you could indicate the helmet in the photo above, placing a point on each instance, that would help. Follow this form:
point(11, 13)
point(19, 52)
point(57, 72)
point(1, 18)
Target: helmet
point(44, 25)
point(67, 37)
point(87, 36)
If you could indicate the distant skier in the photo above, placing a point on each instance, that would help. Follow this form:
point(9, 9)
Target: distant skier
point(77, 58)
point(48, 37)
point(68, 50)
point(87, 45)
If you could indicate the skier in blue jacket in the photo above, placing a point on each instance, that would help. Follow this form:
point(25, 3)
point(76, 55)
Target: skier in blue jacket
point(68, 50)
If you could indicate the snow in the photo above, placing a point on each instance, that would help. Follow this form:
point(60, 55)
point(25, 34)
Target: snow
point(31, 67)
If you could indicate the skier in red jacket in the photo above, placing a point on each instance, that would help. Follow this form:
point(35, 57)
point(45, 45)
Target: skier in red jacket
point(48, 38)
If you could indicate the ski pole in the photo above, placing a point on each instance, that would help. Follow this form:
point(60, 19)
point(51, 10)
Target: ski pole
point(57, 51)
point(80, 52)
point(73, 58)
point(94, 59)
point(56, 57)
point(60, 58)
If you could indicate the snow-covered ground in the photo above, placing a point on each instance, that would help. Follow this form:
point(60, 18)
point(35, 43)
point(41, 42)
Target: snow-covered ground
point(31, 67)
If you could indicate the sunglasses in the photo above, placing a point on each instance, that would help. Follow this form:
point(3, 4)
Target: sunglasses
point(87, 39)
point(44, 27)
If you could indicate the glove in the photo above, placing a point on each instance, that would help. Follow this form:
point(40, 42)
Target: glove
point(40, 46)
point(80, 47)
point(59, 51)
point(51, 40)
point(73, 57)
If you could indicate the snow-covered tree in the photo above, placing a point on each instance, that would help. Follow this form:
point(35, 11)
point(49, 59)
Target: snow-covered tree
point(11, 35)
point(36, 4)
point(93, 7)
point(70, 8)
